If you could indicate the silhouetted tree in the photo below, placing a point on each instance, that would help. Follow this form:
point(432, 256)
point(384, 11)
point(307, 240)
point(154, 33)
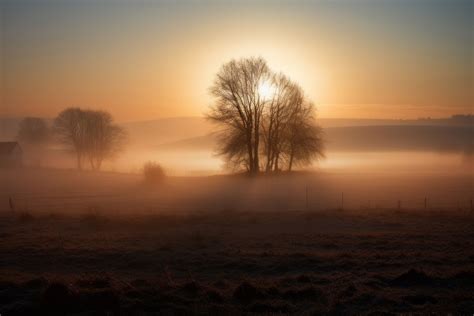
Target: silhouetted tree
point(239, 107)
point(33, 131)
point(70, 127)
point(254, 104)
point(90, 134)
point(104, 138)
point(303, 138)
point(232, 145)
point(282, 106)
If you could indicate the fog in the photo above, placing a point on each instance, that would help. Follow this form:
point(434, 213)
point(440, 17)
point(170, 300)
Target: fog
point(186, 147)
point(199, 162)
point(197, 182)
point(206, 162)
point(375, 211)
point(373, 166)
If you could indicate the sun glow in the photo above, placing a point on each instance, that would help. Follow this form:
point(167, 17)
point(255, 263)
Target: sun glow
point(266, 90)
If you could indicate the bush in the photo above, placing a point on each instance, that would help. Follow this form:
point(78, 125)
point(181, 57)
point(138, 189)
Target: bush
point(153, 173)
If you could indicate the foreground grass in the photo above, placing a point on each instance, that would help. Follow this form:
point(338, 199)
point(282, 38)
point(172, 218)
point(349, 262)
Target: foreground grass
point(231, 262)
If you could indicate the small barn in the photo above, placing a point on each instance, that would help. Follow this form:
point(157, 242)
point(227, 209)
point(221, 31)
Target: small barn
point(11, 154)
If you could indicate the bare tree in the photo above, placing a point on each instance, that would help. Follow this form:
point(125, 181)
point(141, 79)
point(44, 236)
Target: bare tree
point(254, 104)
point(90, 134)
point(233, 147)
point(285, 100)
point(70, 127)
point(239, 107)
point(104, 138)
point(33, 131)
point(304, 138)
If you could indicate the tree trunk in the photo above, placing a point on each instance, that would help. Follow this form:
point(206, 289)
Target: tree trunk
point(269, 165)
point(290, 164)
point(250, 151)
point(277, 158)
point(270, 162)
point(256, 144)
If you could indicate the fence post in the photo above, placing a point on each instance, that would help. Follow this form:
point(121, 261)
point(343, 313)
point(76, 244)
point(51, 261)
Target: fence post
point(12, 206)
point(306, 197)
point(342, 201)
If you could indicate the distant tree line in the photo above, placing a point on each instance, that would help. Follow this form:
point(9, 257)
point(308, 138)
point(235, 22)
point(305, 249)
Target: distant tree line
point(267, 124)
point(33, 131)
point(34, 134)
point(91, 135)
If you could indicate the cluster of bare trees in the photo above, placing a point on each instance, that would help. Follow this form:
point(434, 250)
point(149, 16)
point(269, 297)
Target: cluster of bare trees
point(33, 131)
point(92, 135)
point(266, 122)
point(34, 135)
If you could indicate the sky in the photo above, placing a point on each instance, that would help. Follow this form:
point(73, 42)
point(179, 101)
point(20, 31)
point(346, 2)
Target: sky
point(142, 60)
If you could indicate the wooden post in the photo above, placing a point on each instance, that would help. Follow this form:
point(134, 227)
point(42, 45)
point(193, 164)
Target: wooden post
point(425, 202)
point(12, 206)
point(342, 201)
point(306, 197)
point(471, 205)
point(399, 205)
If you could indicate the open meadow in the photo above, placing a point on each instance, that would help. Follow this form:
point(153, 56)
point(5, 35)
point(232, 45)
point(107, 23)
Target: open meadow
point(82, 243)
point(266, 157)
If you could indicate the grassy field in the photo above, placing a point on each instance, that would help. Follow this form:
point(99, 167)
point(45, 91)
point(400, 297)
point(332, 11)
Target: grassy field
point(204, 256)
point(68, 192)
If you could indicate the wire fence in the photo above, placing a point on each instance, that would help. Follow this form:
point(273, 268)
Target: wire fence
point(303, 199)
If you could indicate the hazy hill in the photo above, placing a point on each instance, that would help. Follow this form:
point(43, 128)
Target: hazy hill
point(140, 132)
point(370, 138)
point(179, 128)
point(158, 131)
point(455, 120)
point(193, 132)
point(352, 134)
point(399, 137)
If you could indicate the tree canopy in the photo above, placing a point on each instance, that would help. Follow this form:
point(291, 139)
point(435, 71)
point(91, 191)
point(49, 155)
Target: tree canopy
point(266, 121)
point(33, 131)
point(92, 135)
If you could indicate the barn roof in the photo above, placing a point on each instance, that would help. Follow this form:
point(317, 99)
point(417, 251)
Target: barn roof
point(7, 147)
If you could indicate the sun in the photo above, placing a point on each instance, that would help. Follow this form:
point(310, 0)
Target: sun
point(266, 90)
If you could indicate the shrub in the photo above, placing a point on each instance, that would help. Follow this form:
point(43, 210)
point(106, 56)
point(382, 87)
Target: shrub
point(153, 173)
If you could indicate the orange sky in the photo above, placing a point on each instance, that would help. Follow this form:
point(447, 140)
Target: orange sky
point(157, 59)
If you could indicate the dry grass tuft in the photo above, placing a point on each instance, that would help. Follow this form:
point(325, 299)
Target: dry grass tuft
point(153, 173)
